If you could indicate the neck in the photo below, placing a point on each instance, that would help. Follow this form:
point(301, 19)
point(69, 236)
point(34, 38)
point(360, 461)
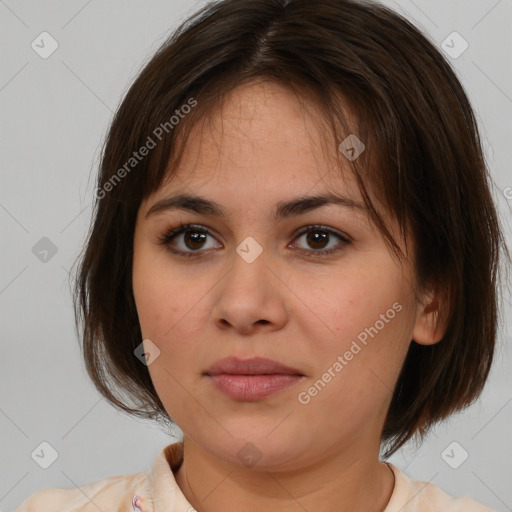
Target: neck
point(349, 481)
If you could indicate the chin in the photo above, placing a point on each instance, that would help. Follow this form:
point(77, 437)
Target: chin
point(261, 448)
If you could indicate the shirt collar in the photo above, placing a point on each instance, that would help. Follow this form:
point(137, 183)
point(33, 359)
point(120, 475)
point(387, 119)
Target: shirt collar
point(164, 490)
point(168, 497)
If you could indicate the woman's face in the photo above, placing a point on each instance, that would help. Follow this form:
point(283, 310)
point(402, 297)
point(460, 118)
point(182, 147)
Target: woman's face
point(340, 313)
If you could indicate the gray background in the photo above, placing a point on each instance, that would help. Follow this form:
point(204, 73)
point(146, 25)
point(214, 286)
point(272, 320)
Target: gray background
point(54, 114)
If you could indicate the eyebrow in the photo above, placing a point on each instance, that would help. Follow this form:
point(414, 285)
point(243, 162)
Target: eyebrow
point(284, 209)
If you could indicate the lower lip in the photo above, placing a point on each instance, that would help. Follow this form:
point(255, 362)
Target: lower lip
point(252, 387)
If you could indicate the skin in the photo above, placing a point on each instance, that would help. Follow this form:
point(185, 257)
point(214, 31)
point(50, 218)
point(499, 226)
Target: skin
point(290, 304)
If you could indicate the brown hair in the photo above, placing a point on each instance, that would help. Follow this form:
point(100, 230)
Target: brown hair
point(423, 159)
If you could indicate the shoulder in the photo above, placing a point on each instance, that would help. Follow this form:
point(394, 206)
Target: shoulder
point(111, 493)
point(418, 496)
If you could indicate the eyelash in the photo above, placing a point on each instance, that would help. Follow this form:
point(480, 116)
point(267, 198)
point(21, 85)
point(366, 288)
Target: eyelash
point(166, 239)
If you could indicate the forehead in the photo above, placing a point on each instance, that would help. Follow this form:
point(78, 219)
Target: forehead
point(264, 140)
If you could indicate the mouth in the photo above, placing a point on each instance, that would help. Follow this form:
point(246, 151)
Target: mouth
point(252, 379)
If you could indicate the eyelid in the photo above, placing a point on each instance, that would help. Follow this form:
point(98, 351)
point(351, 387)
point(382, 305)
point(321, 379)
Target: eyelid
point(321, 227)
point(344, 241)
point(169, 234)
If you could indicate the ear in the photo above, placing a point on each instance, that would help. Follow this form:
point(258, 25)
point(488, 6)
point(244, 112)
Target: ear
point(432, 320)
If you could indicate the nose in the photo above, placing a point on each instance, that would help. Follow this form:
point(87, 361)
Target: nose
point(251, 297)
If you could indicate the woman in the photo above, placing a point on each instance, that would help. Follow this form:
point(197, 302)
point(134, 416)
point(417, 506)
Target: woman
point(294, 258)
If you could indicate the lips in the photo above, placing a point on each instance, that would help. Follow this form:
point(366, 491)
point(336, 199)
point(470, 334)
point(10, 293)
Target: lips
point(253, 366)
point(253, 379)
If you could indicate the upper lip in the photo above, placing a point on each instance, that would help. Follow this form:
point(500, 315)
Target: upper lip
point(253, 366)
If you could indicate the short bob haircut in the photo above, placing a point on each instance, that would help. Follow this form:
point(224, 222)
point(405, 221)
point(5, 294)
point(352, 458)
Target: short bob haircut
point(423, 161)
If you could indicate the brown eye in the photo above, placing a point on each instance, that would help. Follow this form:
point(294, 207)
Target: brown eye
point(194, 239)
point(318, 238)
point(188, 240)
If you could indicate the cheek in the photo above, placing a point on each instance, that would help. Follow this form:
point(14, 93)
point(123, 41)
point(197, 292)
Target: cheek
point(365, 321)
point(339, 307)
point(168, 298)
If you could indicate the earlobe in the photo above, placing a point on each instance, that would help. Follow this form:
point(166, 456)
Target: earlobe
point(431, 323)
